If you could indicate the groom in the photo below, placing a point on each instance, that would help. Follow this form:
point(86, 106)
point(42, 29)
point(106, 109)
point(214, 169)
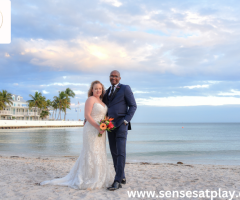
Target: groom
point(121, 106)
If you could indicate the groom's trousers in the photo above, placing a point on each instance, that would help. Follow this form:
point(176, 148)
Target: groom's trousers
point(117, 142)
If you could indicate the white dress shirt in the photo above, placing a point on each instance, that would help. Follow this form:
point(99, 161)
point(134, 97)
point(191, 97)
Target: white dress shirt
point(115, 86)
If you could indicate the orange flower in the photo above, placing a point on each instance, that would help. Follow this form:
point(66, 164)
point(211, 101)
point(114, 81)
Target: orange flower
point(111, 119)
point(103, 126)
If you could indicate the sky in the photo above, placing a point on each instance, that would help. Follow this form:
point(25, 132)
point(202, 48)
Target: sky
point(180, 58)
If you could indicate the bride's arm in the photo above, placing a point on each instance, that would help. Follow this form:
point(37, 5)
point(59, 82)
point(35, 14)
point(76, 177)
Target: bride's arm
point(87, 113)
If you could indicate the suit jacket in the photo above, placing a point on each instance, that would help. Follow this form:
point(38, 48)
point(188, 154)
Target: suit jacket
point(121, 105)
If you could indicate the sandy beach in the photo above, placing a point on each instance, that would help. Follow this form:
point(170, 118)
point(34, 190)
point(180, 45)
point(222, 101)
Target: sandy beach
point(20, 177)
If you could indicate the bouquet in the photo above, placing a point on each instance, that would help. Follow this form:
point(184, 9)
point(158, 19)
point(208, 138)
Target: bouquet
point(106, 124)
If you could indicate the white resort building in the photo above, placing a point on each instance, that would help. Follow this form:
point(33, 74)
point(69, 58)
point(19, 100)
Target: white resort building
point(19, 110)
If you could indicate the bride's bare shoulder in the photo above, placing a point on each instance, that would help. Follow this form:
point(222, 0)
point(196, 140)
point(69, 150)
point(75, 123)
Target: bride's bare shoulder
point(90, 100)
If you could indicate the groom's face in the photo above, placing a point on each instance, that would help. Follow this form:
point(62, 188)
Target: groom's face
point(115, 78)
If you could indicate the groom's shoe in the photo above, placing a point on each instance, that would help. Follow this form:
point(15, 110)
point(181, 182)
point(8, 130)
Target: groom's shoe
point(124, 181)
point(116, 185)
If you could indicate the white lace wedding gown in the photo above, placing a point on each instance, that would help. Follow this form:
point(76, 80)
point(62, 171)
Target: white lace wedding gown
point(91, 169)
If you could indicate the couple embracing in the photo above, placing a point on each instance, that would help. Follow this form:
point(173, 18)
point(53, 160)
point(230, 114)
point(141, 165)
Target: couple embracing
point(91, 170)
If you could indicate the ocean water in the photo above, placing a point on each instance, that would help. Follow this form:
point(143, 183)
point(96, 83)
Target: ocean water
point(192, 143)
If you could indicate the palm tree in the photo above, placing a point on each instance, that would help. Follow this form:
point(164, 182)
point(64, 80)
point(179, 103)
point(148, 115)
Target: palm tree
point(65, 107)
point(49, 105)
point(55, 106)
point(1, 103)
point(44, 113)
point(69, 93)
point(62, 102)
point(5, 98)
point(46, 106)
point(37, 101)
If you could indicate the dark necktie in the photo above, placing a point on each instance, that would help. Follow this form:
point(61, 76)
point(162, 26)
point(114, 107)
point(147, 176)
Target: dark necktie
point(112, 91)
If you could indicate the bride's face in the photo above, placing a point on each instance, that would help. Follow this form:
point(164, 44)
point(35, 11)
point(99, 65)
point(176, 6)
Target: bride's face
point(97, 90)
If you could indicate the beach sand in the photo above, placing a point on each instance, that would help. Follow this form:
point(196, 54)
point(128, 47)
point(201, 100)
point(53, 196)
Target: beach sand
point(20, 177)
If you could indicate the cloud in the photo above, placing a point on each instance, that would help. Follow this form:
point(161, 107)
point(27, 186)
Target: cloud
point(65, 84)
point(79, 92)
point(45, 92)
point(178, 38)
point(188, 101)
point(82, 56)
point(213, 82)
point(196, 86)
point(232, 93)
point(140, 92)
point(7, 55)
point(115, 3)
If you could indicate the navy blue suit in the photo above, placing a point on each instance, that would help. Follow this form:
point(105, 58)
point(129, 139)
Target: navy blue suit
point(121, 106)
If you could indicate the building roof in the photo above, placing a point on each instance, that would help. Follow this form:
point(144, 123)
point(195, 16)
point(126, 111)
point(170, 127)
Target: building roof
point(21, 99)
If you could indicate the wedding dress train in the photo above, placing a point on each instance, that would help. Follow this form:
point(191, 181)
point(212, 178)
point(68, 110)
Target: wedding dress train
point(91, 170)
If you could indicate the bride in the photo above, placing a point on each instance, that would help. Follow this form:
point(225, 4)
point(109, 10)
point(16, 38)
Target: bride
point(91, 170)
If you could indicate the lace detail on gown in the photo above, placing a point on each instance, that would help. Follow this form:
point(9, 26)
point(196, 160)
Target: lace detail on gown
point(91, 169)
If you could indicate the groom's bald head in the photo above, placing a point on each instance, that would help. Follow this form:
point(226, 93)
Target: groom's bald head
point(115, 77)
point(116, 71)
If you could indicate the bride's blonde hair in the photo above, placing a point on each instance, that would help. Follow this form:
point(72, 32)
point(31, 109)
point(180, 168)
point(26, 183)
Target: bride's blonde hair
point(90, 93)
